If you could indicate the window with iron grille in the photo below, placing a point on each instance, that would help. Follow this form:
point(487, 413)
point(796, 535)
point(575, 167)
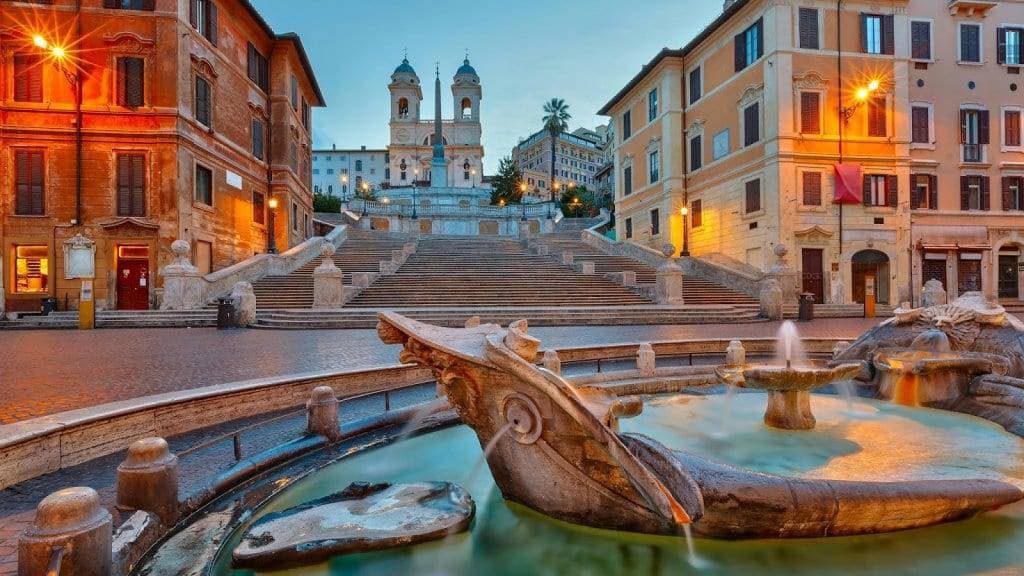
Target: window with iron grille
point(131, 81)
point(131, 184)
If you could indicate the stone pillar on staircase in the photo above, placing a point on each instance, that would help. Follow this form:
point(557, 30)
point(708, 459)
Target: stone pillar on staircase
point(245, 303)
point(669, 283)
point(646, 361)
point(787, 276)
point(328, 287)
point(771, 299)
point(183, 283)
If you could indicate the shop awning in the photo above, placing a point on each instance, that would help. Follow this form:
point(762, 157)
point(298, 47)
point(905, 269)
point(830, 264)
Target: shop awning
point(849, 187)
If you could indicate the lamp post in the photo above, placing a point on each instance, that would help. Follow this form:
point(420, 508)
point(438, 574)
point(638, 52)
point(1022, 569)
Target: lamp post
point(686, 231)
point(415, 176)
point(365, 188)
point(271, 237)
point(344, 187)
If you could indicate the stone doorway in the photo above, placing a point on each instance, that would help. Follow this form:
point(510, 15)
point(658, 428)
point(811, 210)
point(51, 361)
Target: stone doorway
point(870, 263)
point(813, 273)
point(133, 277)
point(1009, 275)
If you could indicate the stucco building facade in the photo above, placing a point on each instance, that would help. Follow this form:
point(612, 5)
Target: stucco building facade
point(578, 156)
point(343, 172)
point(789, 123)
point(192, 115)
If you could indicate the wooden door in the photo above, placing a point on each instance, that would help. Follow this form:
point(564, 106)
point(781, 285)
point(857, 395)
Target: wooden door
point(1008, 276)
point(132, 284)
point(813, 273)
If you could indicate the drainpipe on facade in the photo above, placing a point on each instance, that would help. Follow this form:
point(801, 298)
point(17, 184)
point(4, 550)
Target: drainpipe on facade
point(78, 119)
point(842, 120)
point(684, 249)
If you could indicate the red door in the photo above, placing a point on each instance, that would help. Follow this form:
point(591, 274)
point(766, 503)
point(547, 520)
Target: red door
point(133, 285)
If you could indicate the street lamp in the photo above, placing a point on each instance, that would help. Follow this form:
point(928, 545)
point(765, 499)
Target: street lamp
point(271, 239)
point(344, 187)
point(686, 231)
point(861, 96)
point(415, 176)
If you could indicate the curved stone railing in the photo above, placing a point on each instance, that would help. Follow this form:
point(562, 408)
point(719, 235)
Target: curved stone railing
point(643, 254)
point(726, 271)
point(509, 212)
point(220, 282)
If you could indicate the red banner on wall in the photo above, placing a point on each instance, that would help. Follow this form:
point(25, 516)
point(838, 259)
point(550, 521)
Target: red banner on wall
point(849, 189)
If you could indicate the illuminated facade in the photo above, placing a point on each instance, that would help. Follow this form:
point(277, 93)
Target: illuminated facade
point(192, 116)
point(746, 125)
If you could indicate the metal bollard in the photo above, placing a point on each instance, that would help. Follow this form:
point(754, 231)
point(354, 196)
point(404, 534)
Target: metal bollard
point(148, 480)
point(72, 524)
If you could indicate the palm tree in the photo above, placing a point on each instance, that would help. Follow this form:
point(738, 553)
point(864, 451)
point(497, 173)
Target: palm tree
point(556, 121)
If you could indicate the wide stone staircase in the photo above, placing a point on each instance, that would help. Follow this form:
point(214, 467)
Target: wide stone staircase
point(696, 291)
point(459, 272)
point(361, 252)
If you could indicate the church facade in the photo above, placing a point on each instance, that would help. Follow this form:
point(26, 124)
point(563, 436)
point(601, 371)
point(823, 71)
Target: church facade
point(412, 135)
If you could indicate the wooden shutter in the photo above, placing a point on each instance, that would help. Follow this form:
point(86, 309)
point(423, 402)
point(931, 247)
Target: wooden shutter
point(193, 13)
point(138, 191)
point(877, 121)
point(131, 83)
point(985, 192)
point(124, 185)
point(1008, 203)
point(963, 126)
point(810, 112)
point(864, 33)
point(888, 35)
point(751, 127)
point(866, 190)
point(892, 188)
point(812, 189)
point(1013, 128)
point(211, 21)
point(916, 196)
point(257, 138)
point(921, 40)
point(29, 184)
point(28, 78)
point(753, 196)
point(965, 195)
point(1000, 45)
point(983, 127)
point(809, 28)
point(760, 37)
point(251, 65)
point(740, 54)
point(203, 111)
point(933, 192)
point(920, 129)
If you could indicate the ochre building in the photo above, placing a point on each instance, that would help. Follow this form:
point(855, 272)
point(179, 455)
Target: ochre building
point(128, 124)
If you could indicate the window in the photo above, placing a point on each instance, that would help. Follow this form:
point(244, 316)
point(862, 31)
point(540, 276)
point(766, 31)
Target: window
point(970, 43)
point(752, 196)
point(974, 134)
point(131, 80)
point(258, 68)
point(359, 165)
point(696, 215)
point(877, 34)
point(920, 119)
point(202, 14)
point(921, 40)
point(811, 188)
point(654, 166)
point(293, 159)
point(28, 78)
point(809, 36)
point(305, 114)
point(1013, 193)
point(881, 190)
point(751, 124)
point(974, 193)
point(655, 222)
point(203, 102)
point(749, 45)
point(204, 185)
point(259, 208)
point(257, 138)
point(1008, 43)
point(403, 107)
point(629, 228)
point(627, 125)
point(29, 183)
point(295, 93)
point(810, 112)
point(720, 147)
point(31, 269)
point(924, 192)
point(148, 5)
point(696, 153)
point(696, 85)
point(627, 180)
point(1012, 128)
point(877, 118)
point(652, 105)
point(295, 217)
point(131, 184)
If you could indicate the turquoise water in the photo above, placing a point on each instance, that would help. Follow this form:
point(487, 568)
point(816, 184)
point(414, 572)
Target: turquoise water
point(509, 540)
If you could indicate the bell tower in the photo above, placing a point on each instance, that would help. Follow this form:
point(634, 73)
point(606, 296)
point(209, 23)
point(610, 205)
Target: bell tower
point(466, 94)
point(406, 94)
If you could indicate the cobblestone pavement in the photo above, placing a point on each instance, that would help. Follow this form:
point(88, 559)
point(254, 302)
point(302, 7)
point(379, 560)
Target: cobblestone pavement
point(44, 372)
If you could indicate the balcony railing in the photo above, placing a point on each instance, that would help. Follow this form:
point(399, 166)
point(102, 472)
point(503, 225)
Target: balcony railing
point(545, 210)
point(972, 153)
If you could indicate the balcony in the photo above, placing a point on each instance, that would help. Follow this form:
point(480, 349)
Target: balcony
point(973, 153)
point(970, 7)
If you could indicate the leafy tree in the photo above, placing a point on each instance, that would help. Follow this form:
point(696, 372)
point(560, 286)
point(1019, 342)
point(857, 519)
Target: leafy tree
point(326, 203)
point(556, 121)
point(579, 202)
point(506, 183)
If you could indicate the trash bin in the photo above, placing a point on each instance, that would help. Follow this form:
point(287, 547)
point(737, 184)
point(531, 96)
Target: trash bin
point(47, 306)
point(806, 307)
point(227, 316)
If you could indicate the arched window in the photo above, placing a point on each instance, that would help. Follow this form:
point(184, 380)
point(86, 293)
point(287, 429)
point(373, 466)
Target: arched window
point(403, 107)
point(467, 108)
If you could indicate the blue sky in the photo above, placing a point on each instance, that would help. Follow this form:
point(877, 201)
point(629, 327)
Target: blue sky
point(526, 51)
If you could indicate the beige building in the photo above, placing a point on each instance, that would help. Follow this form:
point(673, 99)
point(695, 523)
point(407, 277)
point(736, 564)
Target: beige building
point(774, 99)
point(578, 156)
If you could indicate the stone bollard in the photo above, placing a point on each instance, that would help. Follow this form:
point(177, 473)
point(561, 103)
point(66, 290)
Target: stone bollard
point(364, 279)
point(567, 258)
point(408, 249)
point(933, 294)
point(646, 360)
point(183, 283)
point(328, 281)
point(771, 299)
point(245, 303)
point(541, 250)
point(586, 268)
point(148, 480)
point(552, 362)
point(669, 284)
point(71, 519)
point(398, 257)
point(787, 276)
point(472, 322)
point(628, 278)
point(839, 349)
point(322, 413)
point(387, 267)
point(735, 354)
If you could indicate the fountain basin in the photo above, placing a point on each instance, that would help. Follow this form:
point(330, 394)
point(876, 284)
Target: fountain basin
point(923, 377)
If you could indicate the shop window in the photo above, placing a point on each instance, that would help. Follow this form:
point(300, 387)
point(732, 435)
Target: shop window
point(31, 269)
